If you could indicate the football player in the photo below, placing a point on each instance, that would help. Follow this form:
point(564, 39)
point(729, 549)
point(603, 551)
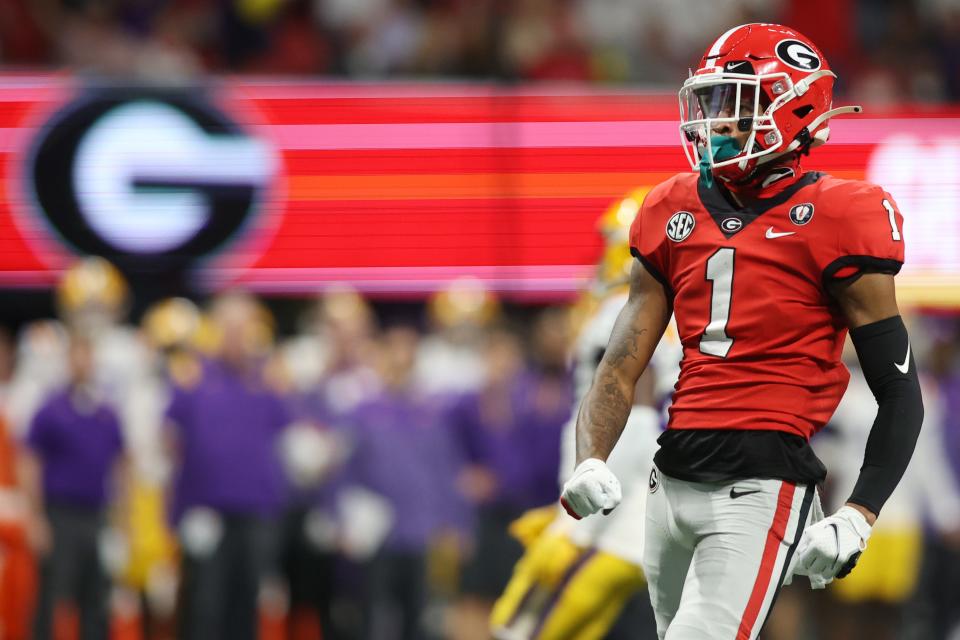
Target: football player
point(766, 267)
point(575, 576)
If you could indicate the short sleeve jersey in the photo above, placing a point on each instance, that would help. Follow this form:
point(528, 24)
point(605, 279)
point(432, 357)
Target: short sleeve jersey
point(761, 337)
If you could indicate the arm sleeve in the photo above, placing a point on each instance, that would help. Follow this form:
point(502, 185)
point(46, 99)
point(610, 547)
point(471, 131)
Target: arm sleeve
point(862, 232)
point(883, 349)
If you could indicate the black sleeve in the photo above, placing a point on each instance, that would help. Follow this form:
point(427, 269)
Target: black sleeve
point(884, 351)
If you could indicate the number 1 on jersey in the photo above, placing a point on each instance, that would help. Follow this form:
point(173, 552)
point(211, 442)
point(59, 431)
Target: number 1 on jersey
point(715, 341)
point(893, 220)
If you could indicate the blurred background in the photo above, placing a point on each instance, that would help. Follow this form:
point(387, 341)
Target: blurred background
point(289, 291)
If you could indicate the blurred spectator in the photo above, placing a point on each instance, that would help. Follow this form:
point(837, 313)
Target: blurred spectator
point(333, 350)
point(449, 358)
point(648, 41)
point(509, 432)
point(228, 484)
point(946, 48)
point(933, 611)
point(74, 447)
point(541, 41)
point(18, 574)
point(92, 298)
point(7, 366)
point(170, 327)
point(403, 454)
point(331, 374)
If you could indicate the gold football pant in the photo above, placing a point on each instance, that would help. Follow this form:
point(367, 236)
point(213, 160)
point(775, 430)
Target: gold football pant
point(559, 591)
point(887, 571)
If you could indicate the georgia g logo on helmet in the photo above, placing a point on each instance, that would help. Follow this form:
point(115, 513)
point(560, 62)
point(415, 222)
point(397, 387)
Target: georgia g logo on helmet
point(798, 55)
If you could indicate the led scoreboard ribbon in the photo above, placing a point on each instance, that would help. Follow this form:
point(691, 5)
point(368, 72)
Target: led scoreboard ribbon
point(395, 188)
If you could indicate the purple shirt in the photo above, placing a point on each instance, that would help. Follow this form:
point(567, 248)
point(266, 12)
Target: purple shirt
point(227, 429)
point(404, 453)
point(513, 429)
point(77, 448)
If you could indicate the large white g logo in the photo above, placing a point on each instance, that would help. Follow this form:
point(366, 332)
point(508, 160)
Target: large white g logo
point(140, 170)
point(153, 178)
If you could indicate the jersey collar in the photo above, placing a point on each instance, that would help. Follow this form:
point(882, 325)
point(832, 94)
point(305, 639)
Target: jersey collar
point(721, 206)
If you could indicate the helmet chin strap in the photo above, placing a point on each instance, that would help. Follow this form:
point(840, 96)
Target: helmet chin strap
point(764, 176)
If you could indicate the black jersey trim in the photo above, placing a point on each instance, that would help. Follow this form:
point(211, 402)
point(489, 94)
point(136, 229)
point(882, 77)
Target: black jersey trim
point(720, 207)
point(867, 264)
point(725, 455)
point(659, 277)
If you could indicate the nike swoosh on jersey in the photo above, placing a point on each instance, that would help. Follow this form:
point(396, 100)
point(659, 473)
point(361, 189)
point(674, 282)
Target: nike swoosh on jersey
point(771, 234)
point(905, 367)
point(734, 494)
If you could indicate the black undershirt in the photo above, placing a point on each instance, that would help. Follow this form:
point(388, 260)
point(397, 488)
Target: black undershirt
point(723, 455)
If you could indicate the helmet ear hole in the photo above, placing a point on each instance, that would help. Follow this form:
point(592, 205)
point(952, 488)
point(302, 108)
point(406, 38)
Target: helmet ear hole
point(804, 111)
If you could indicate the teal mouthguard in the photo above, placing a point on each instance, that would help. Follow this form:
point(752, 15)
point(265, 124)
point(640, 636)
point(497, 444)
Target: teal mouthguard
point(724, 148)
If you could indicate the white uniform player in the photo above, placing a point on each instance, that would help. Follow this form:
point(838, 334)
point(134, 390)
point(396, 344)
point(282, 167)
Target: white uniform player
point(620, 532)
point(449, 359)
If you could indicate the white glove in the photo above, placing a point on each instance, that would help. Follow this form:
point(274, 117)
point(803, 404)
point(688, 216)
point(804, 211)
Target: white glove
point(592, 487)
point(830, 548)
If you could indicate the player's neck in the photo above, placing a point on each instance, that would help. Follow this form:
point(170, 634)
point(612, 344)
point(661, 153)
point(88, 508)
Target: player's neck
point(769, 183)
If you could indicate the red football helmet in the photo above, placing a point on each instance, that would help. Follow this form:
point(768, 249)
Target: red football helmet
point(765, 79)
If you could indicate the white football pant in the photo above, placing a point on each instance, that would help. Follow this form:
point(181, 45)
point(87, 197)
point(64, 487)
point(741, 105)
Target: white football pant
point(716, 554)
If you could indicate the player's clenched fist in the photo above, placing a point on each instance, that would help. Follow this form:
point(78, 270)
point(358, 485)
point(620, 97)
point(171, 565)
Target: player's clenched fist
point(591, 488)
point(830, 548)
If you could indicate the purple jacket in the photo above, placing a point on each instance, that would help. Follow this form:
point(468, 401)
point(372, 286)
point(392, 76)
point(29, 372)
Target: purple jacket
point(404, 453)
point(513, 429)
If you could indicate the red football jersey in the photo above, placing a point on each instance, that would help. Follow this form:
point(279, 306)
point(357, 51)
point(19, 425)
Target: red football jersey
point(761, 338)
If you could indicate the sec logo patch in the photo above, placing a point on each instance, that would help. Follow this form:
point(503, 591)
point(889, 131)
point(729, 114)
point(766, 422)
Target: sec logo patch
point(680, 226)
point(801, 214)
point(654, 480)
